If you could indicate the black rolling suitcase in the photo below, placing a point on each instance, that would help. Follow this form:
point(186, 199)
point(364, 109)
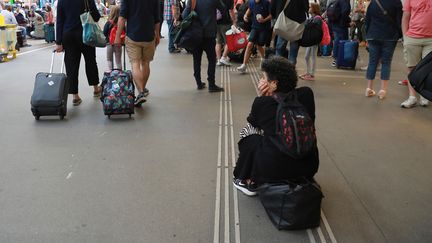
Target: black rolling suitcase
point(50, 93)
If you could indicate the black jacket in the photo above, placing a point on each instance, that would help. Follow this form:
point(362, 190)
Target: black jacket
point(297, 10)
point(68, 16)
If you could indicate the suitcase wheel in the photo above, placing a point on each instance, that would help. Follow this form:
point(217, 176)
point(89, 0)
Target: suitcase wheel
point(109, 116)
point(61, 117)
point(37, 118)
point(130, 115)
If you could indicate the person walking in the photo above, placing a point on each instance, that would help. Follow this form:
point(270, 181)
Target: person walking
point(69, 38)
point(113, 50)
point(382, 34)
point(259, 12)
point(142, 38)
point(206, 10)
point(417, 30)
point(224, 21)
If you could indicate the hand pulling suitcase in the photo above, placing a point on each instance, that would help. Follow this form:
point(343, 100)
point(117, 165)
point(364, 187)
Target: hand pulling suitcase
point(50, 93)
point(118, 91)
point(347, 54)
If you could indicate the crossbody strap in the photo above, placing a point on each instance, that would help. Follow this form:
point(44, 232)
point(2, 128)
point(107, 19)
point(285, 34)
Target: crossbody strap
point(385, 13)
point(193, 5)
point(86, 6)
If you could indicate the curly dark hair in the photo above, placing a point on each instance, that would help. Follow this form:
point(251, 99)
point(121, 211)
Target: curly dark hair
point(280, 69)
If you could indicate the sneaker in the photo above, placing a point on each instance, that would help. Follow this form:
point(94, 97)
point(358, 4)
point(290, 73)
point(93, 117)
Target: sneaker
point(215, 88)
point(146, 92)
point(410, 102)
point(308, 77)
point(242, 68)
point(140, 99)
point(175, 51)
point(225, 61)
point(219, 63)
point(333, 64)
point(364, 68)
point(76, 102)
point(403, 82)
point(248, 189)
point(423, 101)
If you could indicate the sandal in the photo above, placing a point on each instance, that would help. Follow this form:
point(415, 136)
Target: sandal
point(309, 77)
point(77, 102)
point(369, 92)
point(98, 92)
point(302, 75)
point(382, 94)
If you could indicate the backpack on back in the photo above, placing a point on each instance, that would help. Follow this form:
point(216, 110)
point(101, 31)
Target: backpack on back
point(326, 39)
point(112, 35)
point(334, 12)
point(295, 130)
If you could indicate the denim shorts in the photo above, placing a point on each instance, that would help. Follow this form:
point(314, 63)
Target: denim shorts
point(259, 37)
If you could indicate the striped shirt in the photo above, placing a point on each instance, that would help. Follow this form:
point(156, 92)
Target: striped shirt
point(168, 14)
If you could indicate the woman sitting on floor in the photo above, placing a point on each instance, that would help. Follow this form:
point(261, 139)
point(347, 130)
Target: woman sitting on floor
point(260, 159)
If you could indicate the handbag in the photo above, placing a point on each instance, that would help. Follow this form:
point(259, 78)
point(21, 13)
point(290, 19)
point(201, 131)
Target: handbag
point(287, 28)
point(292, 204)
point(421, 77)
point(312, 34)
point(191, 33)
point(92, 33)
point(236, 39)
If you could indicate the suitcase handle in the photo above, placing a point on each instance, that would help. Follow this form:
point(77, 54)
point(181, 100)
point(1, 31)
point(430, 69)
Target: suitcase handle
point(52, 62)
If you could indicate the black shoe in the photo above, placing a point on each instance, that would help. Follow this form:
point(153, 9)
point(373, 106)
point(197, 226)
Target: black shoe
point(146, 92)
point(175, 51)
point(201, 86)
point(140, 99)
point(215, 88)
point(248, 189)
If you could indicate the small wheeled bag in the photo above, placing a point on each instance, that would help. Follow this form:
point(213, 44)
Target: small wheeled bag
point(293, 204)
point(421, 77)
point(118, 92)
point(50, 93)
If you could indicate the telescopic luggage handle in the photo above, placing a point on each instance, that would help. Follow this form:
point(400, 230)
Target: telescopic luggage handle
point(52, 62)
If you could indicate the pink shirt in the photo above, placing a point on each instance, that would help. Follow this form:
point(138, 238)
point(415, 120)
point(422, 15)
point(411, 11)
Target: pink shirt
point(421, 18)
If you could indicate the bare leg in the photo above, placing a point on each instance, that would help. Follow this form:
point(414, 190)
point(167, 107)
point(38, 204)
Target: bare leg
point(248, 53)
point(138, 76)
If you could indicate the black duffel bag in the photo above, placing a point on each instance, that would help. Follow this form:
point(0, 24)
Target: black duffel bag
point(191, 32)
point(421, 77)
point(293, 204)
point(312, 34)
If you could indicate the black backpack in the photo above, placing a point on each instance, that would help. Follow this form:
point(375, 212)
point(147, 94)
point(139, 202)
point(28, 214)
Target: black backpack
point(421, 77)
point(312, 34)
point(295, 130)
point(334, 12)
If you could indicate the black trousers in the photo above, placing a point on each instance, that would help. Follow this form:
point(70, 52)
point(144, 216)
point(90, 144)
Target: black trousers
point(208, 46)
point(74, 47)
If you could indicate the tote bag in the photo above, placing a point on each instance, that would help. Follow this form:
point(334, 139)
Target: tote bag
point(92, 33)
point(287, 28)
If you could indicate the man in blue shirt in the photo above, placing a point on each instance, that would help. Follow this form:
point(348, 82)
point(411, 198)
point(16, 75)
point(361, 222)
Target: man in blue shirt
point(142, 37)
point(259, 12)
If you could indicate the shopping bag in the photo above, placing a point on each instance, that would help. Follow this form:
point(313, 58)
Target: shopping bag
point(92, 33)
point(287, 28)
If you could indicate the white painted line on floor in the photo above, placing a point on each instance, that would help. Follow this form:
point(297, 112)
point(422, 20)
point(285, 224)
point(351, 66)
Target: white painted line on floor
point(235, 197)
point(227, 207)
point(35, 50)
point(327, 226)
point(311, 236)
point(217, 206)
point(69, 176)
point(321, 235)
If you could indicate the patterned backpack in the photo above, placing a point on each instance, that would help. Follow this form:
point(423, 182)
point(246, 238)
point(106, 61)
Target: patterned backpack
point(295, 130)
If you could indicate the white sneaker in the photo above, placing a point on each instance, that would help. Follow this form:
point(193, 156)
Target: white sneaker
point(219, 63)
point(410, 102)
point(423, 101)
point(225, 61)
point(242, 68)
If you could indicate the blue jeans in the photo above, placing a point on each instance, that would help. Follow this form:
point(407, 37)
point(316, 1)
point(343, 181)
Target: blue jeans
point(293, 50)
point(380, 50)
point(171, 37)
point(338, 34)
